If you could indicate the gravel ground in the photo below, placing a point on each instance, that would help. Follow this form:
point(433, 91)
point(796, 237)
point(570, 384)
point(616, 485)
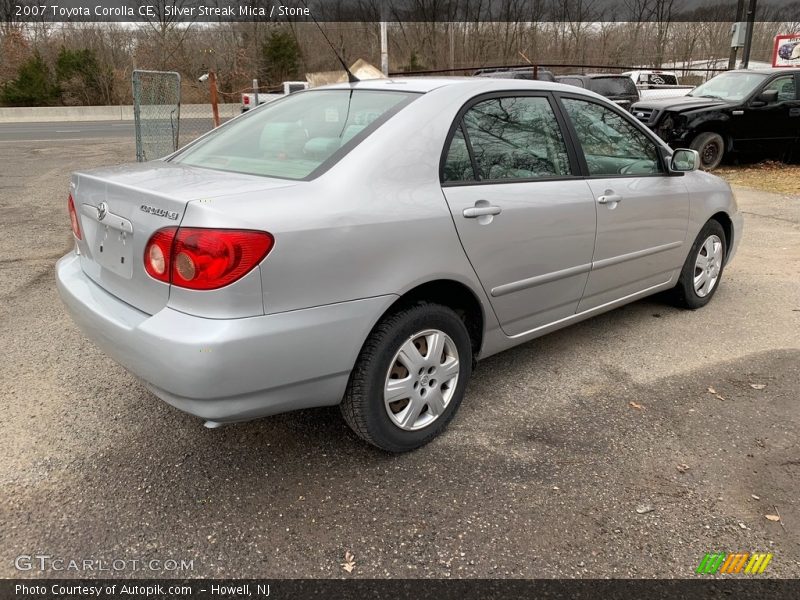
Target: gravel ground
point(595, 451)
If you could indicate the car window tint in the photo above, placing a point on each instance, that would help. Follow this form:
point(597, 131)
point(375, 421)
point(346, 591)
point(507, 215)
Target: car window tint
point(516, 138)
point(785, 87)
point(292, 137)
point(457, 166)
point(572, 81)
point(613, 86)
point(611, 144)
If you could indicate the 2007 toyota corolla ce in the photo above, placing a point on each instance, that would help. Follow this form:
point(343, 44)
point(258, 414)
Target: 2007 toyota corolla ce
point(364, 244)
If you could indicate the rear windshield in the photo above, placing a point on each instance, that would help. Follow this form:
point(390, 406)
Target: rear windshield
point(297, 135)
point(658, 79)
point(614, 86)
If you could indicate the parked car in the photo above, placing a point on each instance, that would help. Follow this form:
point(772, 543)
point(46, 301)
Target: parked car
point(249, 99)
point(656, 83)
point(617, 88)
point(516, 73)
point(754, 111)
point(364, 244)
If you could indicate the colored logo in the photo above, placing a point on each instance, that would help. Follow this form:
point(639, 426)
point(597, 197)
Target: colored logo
point(738, 562)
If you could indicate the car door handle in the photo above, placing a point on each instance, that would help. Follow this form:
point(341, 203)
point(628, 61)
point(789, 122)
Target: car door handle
point(609, 198)
point(481, 211)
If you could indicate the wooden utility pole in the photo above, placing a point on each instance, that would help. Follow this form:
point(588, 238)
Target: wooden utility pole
point(212, 86)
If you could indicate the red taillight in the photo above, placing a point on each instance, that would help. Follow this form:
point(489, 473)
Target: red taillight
point(246, 99)
point(158, 254)
point(204, 259)
point(73, 218)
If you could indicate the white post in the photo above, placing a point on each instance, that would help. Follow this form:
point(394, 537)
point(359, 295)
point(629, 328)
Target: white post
point(384, 49)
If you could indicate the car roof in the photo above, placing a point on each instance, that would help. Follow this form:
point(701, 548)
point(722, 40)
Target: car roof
point(771, 71)
point(427, 84)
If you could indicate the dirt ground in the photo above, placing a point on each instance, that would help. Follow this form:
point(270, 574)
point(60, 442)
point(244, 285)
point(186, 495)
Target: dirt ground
point(597, 451)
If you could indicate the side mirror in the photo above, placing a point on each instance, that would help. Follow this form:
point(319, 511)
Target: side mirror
point(766, 97)
point(684, 160)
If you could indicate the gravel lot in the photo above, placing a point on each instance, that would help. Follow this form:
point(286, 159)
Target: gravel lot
point(540, 474)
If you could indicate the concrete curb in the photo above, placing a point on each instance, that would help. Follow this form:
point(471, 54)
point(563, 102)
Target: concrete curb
point(53, 114)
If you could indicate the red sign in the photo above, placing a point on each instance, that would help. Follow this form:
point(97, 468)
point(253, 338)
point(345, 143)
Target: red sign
point(787, 51)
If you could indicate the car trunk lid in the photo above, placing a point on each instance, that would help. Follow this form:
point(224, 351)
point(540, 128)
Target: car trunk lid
point(120, 208)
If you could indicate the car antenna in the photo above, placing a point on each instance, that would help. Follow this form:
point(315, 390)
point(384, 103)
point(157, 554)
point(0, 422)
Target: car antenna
point(350, 77)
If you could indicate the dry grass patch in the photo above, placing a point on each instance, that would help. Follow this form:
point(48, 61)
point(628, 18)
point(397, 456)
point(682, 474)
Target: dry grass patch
point(772, 176)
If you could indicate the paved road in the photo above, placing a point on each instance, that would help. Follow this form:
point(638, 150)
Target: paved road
point(16, 133)
point(66, 131)
point(596, 451)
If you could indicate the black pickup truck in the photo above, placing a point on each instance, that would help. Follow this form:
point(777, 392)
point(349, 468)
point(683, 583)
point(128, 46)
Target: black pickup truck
point(750, 112)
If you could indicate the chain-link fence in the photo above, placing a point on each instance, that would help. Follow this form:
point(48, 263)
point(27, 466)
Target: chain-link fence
point(156, 113)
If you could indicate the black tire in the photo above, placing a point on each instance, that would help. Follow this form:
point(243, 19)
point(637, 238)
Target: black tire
point(711, 147)
point(363, 405)
point(684, 294)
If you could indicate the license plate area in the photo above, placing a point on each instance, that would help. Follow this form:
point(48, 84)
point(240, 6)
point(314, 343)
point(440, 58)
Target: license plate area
point(114, 250)
point(110, 238)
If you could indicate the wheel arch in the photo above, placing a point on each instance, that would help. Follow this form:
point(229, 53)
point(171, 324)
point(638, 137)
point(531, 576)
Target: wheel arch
point(724, 219)
point(453, 294)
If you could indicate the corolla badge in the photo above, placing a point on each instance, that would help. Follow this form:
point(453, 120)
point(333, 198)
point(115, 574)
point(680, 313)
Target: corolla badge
point(159, 212)
point(102, 211)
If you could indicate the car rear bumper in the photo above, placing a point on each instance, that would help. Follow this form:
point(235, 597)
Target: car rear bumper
point(226, 369)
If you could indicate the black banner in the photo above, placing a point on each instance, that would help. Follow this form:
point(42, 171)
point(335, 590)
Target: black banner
point(744, 588)
point(210, 11)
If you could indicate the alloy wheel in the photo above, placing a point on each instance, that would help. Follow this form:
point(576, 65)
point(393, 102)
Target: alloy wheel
point(707, 266)
point(421, 380)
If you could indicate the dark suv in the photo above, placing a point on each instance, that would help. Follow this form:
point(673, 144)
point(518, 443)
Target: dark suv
point(755, 111)
point(617, 88)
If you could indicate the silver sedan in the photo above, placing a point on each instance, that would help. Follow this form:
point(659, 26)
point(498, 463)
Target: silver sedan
point(365, 244)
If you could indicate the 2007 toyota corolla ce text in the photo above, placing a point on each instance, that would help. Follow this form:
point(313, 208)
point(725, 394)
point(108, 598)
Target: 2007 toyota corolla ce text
point(364, 244)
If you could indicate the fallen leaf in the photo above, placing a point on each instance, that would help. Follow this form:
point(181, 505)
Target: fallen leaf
point(636, 406)
point(349, 562)
point(718, 397)
point(711, 390)
point(773, 517)
point(754, 497)
point(758, 386)
point(645, 508)
point(742, 525)
point(682, 468)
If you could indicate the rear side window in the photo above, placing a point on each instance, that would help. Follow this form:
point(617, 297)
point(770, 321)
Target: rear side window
point(458, 166)
point(614, 86)
point(513, 138)
point(297, 135)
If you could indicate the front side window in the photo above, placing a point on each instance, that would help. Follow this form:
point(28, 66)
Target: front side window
point(514, 138)
point(611, 144)
point(295, 136)
point(784, 86)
